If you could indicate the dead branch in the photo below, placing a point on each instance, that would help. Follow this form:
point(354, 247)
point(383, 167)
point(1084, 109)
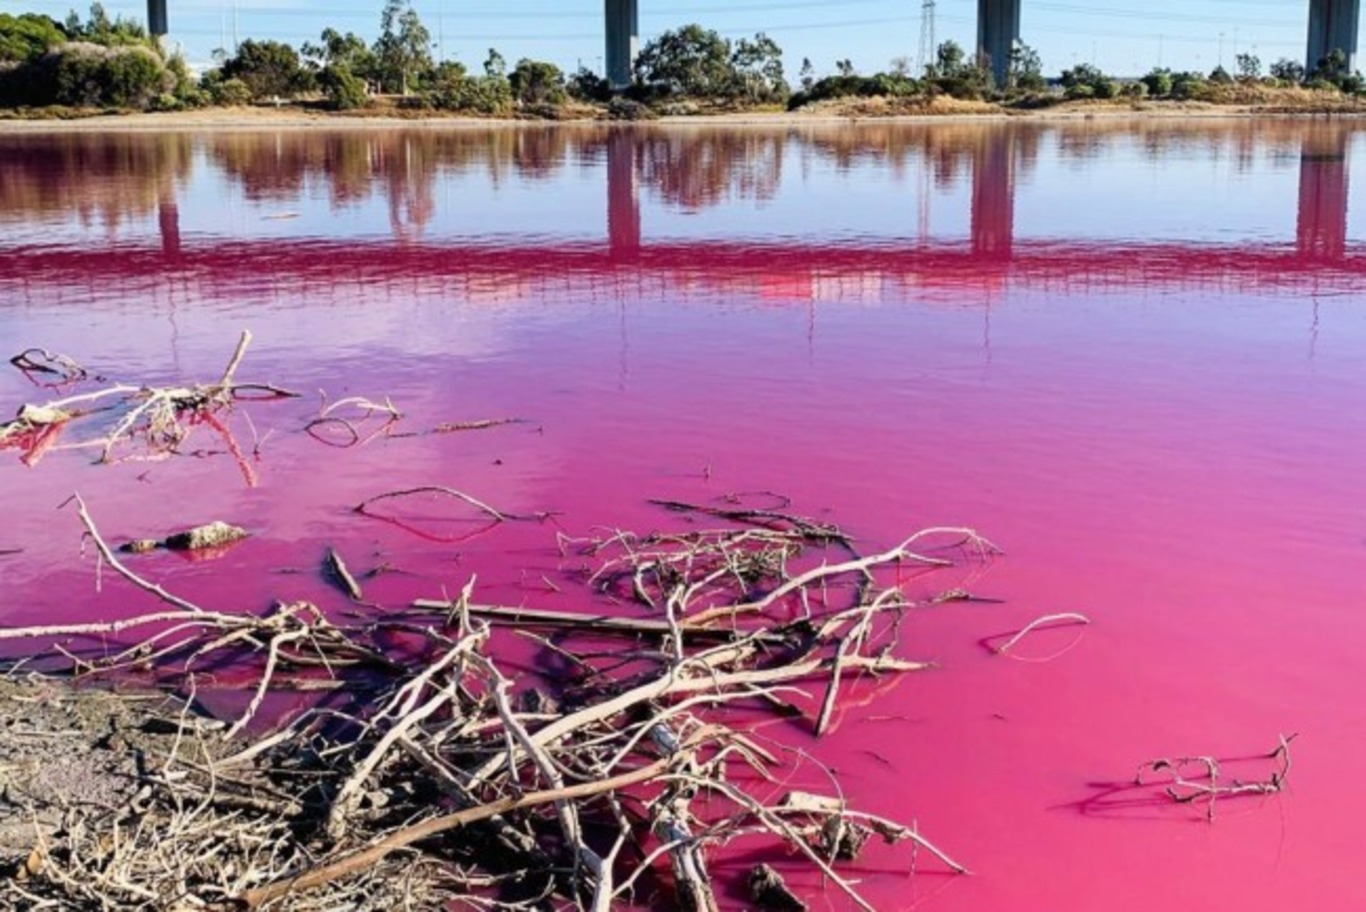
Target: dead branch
point(1048, 620)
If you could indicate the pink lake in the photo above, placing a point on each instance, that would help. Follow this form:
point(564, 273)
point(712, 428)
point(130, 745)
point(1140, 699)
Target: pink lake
point(1132, 354)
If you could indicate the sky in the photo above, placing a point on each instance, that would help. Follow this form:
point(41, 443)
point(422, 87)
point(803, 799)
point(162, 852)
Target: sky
point(1124, 37)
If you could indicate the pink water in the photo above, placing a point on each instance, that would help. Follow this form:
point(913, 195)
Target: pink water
point(1129, 355)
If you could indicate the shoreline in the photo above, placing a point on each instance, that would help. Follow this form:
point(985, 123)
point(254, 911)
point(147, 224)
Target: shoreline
point(243, 119)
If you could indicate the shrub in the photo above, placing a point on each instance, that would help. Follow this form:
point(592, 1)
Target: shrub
point(475, 94)
point(627, 109)
point(343, 89)
point(1079, 91)
point(1189, 86)
point(88, 75)
point(1108, 88)
point(1159, 83)
point(228, 92)
point(585, 85)
point(535, 82)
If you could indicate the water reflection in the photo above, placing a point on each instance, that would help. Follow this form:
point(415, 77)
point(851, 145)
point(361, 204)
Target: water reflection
point(417, 178)
point(1321, 228)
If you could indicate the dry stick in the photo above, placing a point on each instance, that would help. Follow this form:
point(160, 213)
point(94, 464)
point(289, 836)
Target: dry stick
point(243, 341)
point(567, 619)
point(567, 812)
point(674, 683)
point(123, 571)
point(348, 796)
point(854, 639)
point(360, 861)
point(1035, 624)
point(337, 567)
point(776, 824)
point(267, 675)
point(498, 515)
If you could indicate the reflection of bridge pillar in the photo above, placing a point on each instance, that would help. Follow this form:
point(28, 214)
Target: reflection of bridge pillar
point(156, 17)
point(993, 195)
point(623, 194)
point(623, 35)
point(1321, 226)
point(1332, 27)
point(998, 28)
point(168, 220)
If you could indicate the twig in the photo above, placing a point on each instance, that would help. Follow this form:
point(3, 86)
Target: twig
point(1046, 620)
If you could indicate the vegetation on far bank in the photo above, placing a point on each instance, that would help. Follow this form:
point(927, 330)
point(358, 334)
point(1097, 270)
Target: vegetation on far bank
point(50, 68)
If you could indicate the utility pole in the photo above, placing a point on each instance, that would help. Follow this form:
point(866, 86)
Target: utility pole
point(927, 44)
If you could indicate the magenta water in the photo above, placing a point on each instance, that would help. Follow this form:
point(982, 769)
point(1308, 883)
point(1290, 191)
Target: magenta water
point(1129, 354)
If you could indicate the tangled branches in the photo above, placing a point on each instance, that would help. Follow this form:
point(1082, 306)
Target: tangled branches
point(431, 773)
point(160, 417)
point(1186, 780)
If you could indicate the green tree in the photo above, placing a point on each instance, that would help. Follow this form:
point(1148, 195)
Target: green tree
point(758, 69)
point(808, 74)
point(689, 61)
point(952, 73)
point(269, 69)
point(342, 50)
point(1287, 70)
point(100, 29)
point(949, 59)
point(535, 82)
point(1026, 69)
point(26, 38)
point(845, 68)
point(1249, 67)
point(495, 67)
point(1332, 67)
point(1220, 76)
point(403, 49)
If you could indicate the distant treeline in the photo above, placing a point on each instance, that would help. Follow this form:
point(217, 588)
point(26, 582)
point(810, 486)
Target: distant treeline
point(115, 64)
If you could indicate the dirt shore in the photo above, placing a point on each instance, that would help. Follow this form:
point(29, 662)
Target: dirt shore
point(64, 749)
point(294, 118)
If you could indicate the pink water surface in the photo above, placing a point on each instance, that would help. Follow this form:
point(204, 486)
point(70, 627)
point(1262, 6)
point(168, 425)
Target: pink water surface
point(1131, 355)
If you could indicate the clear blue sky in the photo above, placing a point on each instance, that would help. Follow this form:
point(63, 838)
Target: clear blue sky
point(1121, 36)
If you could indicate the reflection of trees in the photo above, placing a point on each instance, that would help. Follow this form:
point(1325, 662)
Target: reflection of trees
point(698, 169)
point(113, 177)
point(404, 166)
point(1237, 139)
point(104, 179)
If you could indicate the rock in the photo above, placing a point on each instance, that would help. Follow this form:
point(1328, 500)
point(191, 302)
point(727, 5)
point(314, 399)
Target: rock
point(139, 546)
point(767, 891)
point(213, 535)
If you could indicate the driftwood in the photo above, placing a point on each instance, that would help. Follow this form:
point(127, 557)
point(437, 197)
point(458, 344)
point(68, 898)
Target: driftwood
point(159, 418)
point(1188, 780)
point(425, 778)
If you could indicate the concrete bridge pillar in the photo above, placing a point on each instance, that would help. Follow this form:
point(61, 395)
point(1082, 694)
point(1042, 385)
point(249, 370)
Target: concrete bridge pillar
point(156, 18)
point(623, 40)
point(1332, 27)
point(998, 28)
